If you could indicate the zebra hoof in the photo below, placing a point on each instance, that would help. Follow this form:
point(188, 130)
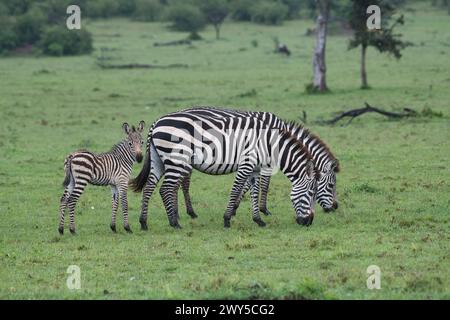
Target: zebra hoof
point(175, 225)
point(193, 215)
point(266, 212)
point(61, 231)
point(72, 231)
point(259, 222)
point(144, 226)
point(226, 222)
point(128, 229)
point(113, 228)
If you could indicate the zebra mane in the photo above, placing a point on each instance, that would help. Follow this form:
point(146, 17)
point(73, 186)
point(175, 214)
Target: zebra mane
point(290, 135)
point(295, 128)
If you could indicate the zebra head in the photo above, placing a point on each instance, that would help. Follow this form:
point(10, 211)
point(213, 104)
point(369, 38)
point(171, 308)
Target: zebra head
point(326, 193)
point(134, 139)
point(303, 195)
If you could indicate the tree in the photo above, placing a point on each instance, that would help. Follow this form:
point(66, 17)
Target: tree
point(187, 17)
point(215, 12)
point(319, 67)
point(384, 39)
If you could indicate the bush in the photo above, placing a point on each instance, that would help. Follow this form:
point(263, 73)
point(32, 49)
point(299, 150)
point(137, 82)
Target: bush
point(8, 37)
point(148, 10)
point(59, 41)
point(126, 7)
point(241, 9)
point(29, 26)
point(186, 17)
point(102, 8)
point(269, 12)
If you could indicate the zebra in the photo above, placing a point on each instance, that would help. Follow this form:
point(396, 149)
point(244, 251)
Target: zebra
point(178, 142)
point(111, 168)
point(325, 162)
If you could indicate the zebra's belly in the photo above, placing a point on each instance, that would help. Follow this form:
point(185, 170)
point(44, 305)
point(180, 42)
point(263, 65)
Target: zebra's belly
point(215, 169)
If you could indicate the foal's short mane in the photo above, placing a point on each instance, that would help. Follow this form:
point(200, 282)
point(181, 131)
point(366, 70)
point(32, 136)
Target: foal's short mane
point(295, 128)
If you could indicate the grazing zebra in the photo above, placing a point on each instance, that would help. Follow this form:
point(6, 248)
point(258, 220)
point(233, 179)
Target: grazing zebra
point(324, 160)
point(111, 168)
point(181, 141)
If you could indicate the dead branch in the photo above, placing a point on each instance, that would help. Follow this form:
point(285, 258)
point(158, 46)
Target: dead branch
point(141, 66)
point(352, 114)
point(172, 43)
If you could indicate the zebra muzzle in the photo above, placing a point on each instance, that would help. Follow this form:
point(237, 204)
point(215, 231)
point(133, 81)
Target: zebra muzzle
point(139, 157)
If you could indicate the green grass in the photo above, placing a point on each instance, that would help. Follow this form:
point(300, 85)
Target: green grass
point(393, 188)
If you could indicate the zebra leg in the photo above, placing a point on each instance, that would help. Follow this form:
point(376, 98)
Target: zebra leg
point(124, 201)
point(185, 183)
point(115, 204)
point(167, 191)
point(62, 209)
point(72, 201)
point(265, 181)
point(245, 189)
point(254, 181)
point(156, 173)
point(242, 175)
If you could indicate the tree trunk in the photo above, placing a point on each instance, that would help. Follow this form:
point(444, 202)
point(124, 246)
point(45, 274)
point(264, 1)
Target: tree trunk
point(217, 27)
point(364, 84)
point(319, 66)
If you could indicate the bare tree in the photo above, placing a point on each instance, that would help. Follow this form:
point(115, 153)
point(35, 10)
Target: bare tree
point(319, 66)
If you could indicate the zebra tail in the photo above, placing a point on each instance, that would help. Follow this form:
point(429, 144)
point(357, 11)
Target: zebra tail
point(67, 170)
point(138, 183)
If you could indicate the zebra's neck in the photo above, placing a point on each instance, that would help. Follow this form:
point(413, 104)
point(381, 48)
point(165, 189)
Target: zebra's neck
point(121, 152)
point(292, 157)
point(319, 151)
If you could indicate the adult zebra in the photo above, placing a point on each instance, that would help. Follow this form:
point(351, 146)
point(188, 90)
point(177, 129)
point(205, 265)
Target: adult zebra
point(324, 160)
point(181, 141)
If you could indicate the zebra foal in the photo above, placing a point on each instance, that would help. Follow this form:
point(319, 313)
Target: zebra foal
point(111, 168)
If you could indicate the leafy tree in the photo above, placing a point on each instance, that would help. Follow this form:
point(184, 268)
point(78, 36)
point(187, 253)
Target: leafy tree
point(269, 12)
point(148, 10)
point(241, 9)
point(384, 39)
point(186, 17)
point(215, 12)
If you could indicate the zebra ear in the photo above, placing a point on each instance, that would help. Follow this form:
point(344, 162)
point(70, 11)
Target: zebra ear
point(126, 128)
point(310, 169)
point(141, 126)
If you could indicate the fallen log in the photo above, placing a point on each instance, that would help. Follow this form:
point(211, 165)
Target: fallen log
point(352, 114)
point(141, 66)
point(172, 43)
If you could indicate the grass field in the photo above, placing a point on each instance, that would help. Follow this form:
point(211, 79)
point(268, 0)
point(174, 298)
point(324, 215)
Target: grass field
point(393, 187)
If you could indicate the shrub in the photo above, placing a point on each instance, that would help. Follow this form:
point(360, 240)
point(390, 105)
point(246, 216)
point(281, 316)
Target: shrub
point(241, 9)
point(269, 12)
point(148, 10)
point(8, 37)
point(101, 8)
point(29, 26)
point(186, 17)
point(59, 41)
point(126, 7)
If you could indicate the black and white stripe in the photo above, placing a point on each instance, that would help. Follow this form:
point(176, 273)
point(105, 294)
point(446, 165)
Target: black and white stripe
point(324, 160)
point(181, 141)
point(111, 168)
